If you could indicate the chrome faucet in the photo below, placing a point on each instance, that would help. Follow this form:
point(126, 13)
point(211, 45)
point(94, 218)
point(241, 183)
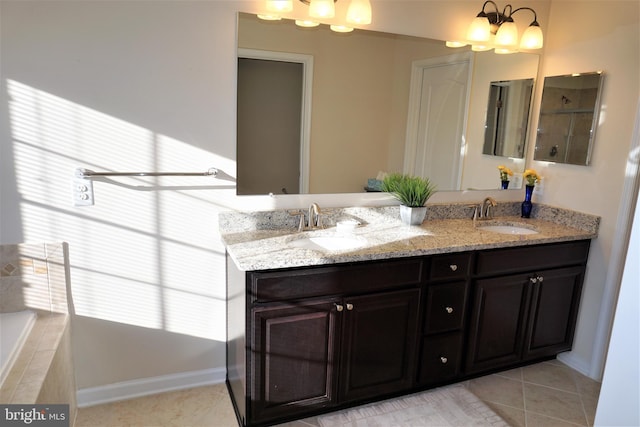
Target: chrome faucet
point(313, 219)
point(485, 207)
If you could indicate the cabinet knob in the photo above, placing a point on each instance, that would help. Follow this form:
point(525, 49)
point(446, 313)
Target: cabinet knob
point(443, 359)
point(349, 306)
point(540, 278)
point(339, 307)
point(533, 280)
point(449, 310)
point(453, 267)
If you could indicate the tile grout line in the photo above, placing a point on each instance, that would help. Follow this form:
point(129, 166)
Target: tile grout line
point(584, 409)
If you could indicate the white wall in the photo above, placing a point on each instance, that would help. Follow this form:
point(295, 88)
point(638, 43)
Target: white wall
point(620, 392)
point(611, 44)
point(151, 85)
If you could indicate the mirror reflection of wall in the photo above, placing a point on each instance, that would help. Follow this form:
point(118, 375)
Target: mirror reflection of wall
point(507, 118)
point(568, 118)
point(360, 98)
point(480, 169)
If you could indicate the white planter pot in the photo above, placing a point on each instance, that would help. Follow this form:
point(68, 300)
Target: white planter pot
point(412, 216)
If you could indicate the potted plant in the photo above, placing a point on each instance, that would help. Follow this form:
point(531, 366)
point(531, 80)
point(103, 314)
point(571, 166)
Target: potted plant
point(412, 192)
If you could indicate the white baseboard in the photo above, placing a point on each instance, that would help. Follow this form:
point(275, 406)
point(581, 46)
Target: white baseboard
point(148, 386)
point(569, 359)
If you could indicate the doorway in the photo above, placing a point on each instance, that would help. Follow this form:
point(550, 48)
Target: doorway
point(273, 115)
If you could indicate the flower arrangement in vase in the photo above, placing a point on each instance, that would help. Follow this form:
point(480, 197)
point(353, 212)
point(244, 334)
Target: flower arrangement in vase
point(412, 192)
point(505, 173)
point(532, 178)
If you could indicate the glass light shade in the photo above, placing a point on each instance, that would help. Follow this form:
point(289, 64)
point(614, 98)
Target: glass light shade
point(322, 9)
point(279, 6)
point(502, 51)
point(359, 12)
point(455, 43)
point(306, 23)
point(480, 47)
point(479, 30)
point(340, 28)
point(507, 35)
point(531, 38)
point(269, 17)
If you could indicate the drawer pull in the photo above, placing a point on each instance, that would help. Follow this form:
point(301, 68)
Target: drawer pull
point(349, 307)
point(449, 310)
point(444, 360)
point(339, 307)
point(453, 267)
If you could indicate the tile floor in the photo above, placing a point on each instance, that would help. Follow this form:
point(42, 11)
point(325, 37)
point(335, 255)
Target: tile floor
point(545, 394)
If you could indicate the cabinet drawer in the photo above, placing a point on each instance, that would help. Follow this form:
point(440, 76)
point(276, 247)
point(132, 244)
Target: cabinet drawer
point(450, 266)
point(528, 258)
point(441, 356)
point(445, 307)
point(344, 279)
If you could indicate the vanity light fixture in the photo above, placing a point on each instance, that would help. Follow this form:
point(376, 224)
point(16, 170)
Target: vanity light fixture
point(358, 13)
point(497, 30)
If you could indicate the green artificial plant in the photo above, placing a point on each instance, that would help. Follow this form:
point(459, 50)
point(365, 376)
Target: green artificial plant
point(411, 191)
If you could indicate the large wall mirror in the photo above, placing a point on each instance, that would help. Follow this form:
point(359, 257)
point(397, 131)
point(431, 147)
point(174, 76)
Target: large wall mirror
point(568, 118)
point(358, 104)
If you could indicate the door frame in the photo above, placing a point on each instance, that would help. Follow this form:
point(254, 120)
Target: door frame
point(305, 110)
point(413, 112)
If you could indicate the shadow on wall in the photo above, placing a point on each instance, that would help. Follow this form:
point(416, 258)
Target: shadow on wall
point(143, 258)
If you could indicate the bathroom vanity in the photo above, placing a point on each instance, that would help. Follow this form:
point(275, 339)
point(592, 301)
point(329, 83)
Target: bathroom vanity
point(414, 308)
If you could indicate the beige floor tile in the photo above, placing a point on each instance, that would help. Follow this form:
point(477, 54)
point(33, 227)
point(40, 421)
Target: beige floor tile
point(550, 375)
point(537, 420)
point(198, 407)
point(554, 403)
point(497, 389)
point(514, 374)
point(514, 417)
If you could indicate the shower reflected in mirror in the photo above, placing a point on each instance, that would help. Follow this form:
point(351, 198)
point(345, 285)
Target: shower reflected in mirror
point(569, 113)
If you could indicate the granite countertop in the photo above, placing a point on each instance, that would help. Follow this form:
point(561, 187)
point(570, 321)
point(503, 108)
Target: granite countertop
point(263, 240)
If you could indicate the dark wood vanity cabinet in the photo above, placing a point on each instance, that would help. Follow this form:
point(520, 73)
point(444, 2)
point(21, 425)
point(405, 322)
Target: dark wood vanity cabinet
point(307, 340)
point(327, 336)
point(529, 315)
point(445, 310)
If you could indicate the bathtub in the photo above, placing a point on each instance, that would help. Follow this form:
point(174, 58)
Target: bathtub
point(14, 330)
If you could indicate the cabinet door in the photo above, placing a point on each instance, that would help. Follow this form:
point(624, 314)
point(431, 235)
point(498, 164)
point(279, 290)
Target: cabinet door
point(554, 309)
point(292, 358)
point(378, 344)
point(498, 321)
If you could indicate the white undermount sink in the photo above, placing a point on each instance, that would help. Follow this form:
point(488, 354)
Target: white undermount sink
point(508, 229)
point(328, 243)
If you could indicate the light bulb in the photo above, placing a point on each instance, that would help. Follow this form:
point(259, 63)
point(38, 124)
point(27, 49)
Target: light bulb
point(359, 12)
point(532, 37)
point(322, 9)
